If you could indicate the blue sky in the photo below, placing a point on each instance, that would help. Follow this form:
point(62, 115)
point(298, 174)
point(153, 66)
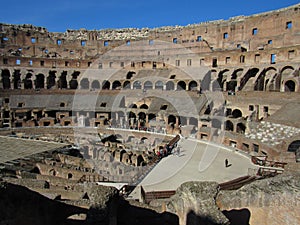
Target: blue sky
point(60, 15)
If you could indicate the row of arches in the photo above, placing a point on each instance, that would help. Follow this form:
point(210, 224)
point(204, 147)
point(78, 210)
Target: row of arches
point(256, 79)
point(146, 85)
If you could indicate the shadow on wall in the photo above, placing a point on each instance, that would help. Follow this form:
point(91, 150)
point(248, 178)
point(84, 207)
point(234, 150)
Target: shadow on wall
point(193, 219)
point(134, 215)
point(20, 205)
point(238, 217)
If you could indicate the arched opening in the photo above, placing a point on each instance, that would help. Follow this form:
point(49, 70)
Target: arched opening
point(52, 172)
point(222, 76)
point(70, 176)
point(289, 86)
point(62, 82)
point(171, 119)
point(116, 85)
point(250, 74)
point(144, 139)
point(6, 79)
point(132, 118)
point(133, 106)
point(51, 79)
point(152, 117)
point(228, 125)
point(130, 74)
point(294, 146)
point(139, 160)
point(215, 123)
point(236, 113)
point(231, 85)
point(84, 83)
point(95, 84)
point(170, 86)
point(273, 80)
point(159, 85)
point(148, 85)
point(40, 81)
point(183, 121)
point(106, 85)
point(260, 82)
point(73, 82)
point(240, 128)
point(193, 85)
point(142, 119)
point(137, 85)
point(17, 79)
point(28, 81)
point(126, 85)
point(181, 85)
point(287, 71)
point(193, 121)
point(144, 106)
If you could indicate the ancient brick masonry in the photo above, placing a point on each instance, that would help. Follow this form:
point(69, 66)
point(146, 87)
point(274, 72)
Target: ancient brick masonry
point(253, 61)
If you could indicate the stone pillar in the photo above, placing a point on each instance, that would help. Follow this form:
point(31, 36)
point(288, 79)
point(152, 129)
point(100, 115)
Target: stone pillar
point(177, 121)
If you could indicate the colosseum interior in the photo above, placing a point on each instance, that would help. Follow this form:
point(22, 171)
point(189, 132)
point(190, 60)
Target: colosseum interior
point(89, 107)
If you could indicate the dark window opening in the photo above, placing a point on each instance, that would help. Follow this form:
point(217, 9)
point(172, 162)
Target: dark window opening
point(199, 38)
point(270, 42)
point(273, 58)
point(62, 104)
point(67, 63)
point(89, 64)
point(289, 25)
point(5, 61)
point(251, 107)
point(266, 109)
point(172, 77)
point(189, 62)
point(242, 59)
point(225, 35)
point(255, 147)
point(128, 43)
point(164, 107)
point(175, 40)
point(215, 62)
point(254, 31)
point(42, 63)
point(202, 62)
point(257, 58)
point(227, 60)
point(177, 62)
point(105, 43)
point(103, 104)
point(21, 104)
